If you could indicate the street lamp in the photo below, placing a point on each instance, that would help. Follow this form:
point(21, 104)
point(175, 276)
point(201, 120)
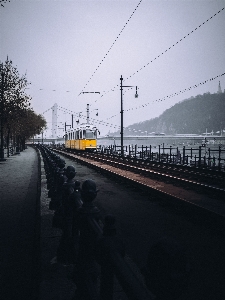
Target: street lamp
point(136, 95)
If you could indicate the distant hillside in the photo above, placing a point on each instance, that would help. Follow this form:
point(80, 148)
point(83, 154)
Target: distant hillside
point(193, 115)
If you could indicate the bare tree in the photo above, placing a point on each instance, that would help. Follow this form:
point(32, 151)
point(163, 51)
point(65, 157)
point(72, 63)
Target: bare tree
point(15, 112)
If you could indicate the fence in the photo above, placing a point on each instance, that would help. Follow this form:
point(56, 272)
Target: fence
point(198, 157)
point(97, 245)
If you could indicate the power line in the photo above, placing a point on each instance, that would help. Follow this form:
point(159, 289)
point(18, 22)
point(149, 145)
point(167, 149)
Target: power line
point(172, 95)
point(177, 42)
point(101, 122)
point(111, 46)
point(80, 115)
point(164, 52)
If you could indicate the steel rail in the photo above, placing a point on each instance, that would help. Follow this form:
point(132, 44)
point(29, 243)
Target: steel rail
point(173, 173)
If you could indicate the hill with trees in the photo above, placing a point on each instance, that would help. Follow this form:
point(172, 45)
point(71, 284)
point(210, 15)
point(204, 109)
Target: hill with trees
point(190, 116)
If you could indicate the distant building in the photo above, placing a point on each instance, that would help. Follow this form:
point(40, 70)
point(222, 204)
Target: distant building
point(219, 89)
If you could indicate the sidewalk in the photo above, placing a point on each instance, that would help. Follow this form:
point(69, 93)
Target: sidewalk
point(28, 264)
point(19, 226)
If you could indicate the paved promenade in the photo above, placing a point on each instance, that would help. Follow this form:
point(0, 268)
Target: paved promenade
point(28, 265)
point(19, 226)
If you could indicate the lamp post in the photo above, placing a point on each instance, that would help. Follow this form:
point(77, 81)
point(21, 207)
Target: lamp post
point(136, 95)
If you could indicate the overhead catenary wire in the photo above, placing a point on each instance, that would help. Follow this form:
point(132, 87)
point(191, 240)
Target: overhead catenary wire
point(110, 47)
point(101, 122)
point(168, 96)
point(117, 127)
point(82, 116)
point(172, 95)
point(147, 64)
point(164, 52)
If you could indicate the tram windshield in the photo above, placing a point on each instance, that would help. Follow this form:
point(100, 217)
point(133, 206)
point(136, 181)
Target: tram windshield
point(90, 134)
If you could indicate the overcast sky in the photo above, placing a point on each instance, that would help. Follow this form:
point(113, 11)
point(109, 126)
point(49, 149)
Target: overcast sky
point(70, 46)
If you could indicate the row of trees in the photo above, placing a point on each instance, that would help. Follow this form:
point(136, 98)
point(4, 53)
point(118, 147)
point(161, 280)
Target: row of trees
point(18, 121)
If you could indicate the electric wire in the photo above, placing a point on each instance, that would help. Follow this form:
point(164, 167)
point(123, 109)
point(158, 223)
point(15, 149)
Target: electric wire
point(172, 95)
point(164, 52)
point(110, 47)
point(160, 99)
point(113, 89)
point(117, 127)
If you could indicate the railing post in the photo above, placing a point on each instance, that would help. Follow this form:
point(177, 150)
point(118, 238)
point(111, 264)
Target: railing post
point(66, 214)
point(219, 159)
point(159, 153)
point(209, 159)
point(85, 270)
point(183, 155)
point(199, 156)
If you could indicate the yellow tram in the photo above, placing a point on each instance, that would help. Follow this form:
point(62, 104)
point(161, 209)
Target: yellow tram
point(82, 138)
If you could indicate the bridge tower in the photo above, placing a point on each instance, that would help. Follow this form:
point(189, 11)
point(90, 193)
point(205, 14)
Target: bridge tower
point(219, 89)
point(54, 120)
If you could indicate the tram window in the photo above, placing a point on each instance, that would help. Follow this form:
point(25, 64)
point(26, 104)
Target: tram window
point(66, 136)
point(90, 134)
point(77, 135)
point(84, 134)
point(73, 135)
point(80, 135)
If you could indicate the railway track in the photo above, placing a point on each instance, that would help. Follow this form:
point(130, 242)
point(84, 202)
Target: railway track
point(197, 191)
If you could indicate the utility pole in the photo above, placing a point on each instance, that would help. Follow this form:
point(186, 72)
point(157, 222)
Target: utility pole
point(121, 111)
point(54, 120)
point(88, 104)
point(67, 126)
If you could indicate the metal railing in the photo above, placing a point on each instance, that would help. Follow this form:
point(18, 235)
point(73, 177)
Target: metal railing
point(201, 156)
point(97, 246)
